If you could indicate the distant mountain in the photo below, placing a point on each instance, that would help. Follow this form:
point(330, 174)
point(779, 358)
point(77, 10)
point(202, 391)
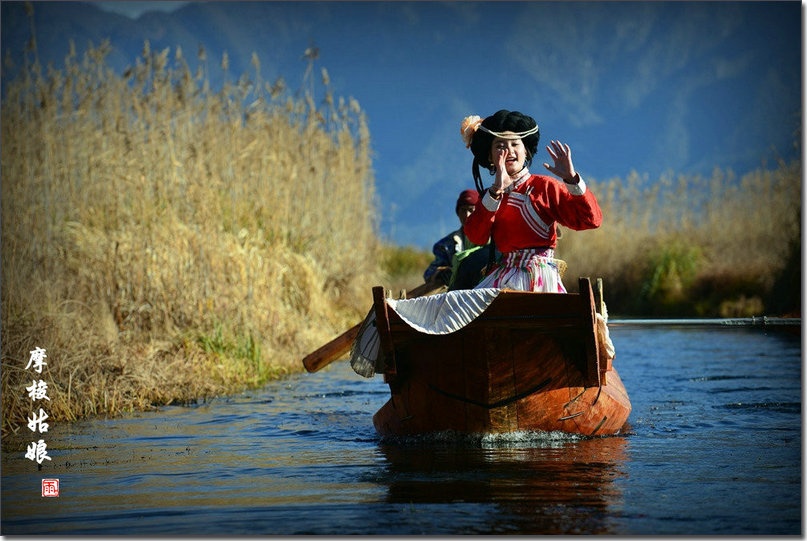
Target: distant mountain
point(646, 86)
point(212, 26)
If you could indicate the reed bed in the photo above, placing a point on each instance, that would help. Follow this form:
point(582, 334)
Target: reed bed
point(165, 243)
point(714, 246)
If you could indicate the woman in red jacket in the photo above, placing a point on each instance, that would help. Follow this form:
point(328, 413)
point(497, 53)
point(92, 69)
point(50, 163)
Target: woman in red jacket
point(520, 209)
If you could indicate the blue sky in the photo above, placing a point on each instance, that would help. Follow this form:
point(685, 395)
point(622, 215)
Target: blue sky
point(651, 87)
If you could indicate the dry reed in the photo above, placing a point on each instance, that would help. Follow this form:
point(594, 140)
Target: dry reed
point(164, 242)
point(683, 245)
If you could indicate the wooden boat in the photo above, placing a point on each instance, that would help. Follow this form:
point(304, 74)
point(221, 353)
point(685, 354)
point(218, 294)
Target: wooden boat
point(527, 362)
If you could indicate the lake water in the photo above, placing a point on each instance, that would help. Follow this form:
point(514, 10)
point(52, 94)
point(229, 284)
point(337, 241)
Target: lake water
point(713, 447)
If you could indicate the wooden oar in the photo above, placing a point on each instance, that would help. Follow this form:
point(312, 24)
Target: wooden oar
point(340, 345)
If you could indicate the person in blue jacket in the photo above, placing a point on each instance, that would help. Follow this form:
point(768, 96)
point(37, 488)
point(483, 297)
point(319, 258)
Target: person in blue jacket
point(455, 261)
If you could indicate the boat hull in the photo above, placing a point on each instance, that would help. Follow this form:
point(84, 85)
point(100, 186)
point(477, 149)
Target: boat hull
point(529, 362)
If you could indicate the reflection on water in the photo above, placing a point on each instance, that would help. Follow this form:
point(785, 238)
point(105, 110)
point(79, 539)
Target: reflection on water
point(541, 485)
point(714, 447)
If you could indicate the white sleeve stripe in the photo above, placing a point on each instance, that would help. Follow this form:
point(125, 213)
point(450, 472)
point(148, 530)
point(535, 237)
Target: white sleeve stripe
point(489, 203)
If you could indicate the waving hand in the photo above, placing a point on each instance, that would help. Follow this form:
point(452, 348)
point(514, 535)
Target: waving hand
point(561, 154)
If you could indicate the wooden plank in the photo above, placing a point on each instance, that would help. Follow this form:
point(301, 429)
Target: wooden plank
point(474, 367)
point(438, 400)
point(501, 381)
point(592, 372)
point(541, 367)
point(448, 381)
point(385, 340)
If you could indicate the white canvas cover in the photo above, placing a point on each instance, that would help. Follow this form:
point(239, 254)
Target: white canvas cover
point(444, 313)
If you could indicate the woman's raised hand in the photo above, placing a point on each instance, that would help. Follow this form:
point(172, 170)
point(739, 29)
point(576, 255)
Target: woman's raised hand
point(562, 156)
point(503, 179)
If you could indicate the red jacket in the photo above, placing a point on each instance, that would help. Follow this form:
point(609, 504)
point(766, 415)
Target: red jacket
point(525, 217)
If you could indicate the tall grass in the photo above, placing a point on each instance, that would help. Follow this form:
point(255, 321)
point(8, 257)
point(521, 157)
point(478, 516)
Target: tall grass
point(717, 246)
point(403, 266)
point(165, 242)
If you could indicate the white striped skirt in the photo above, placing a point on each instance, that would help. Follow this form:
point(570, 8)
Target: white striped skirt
point(526, 270)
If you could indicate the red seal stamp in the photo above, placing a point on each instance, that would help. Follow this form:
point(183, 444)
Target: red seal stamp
point(50, 488)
